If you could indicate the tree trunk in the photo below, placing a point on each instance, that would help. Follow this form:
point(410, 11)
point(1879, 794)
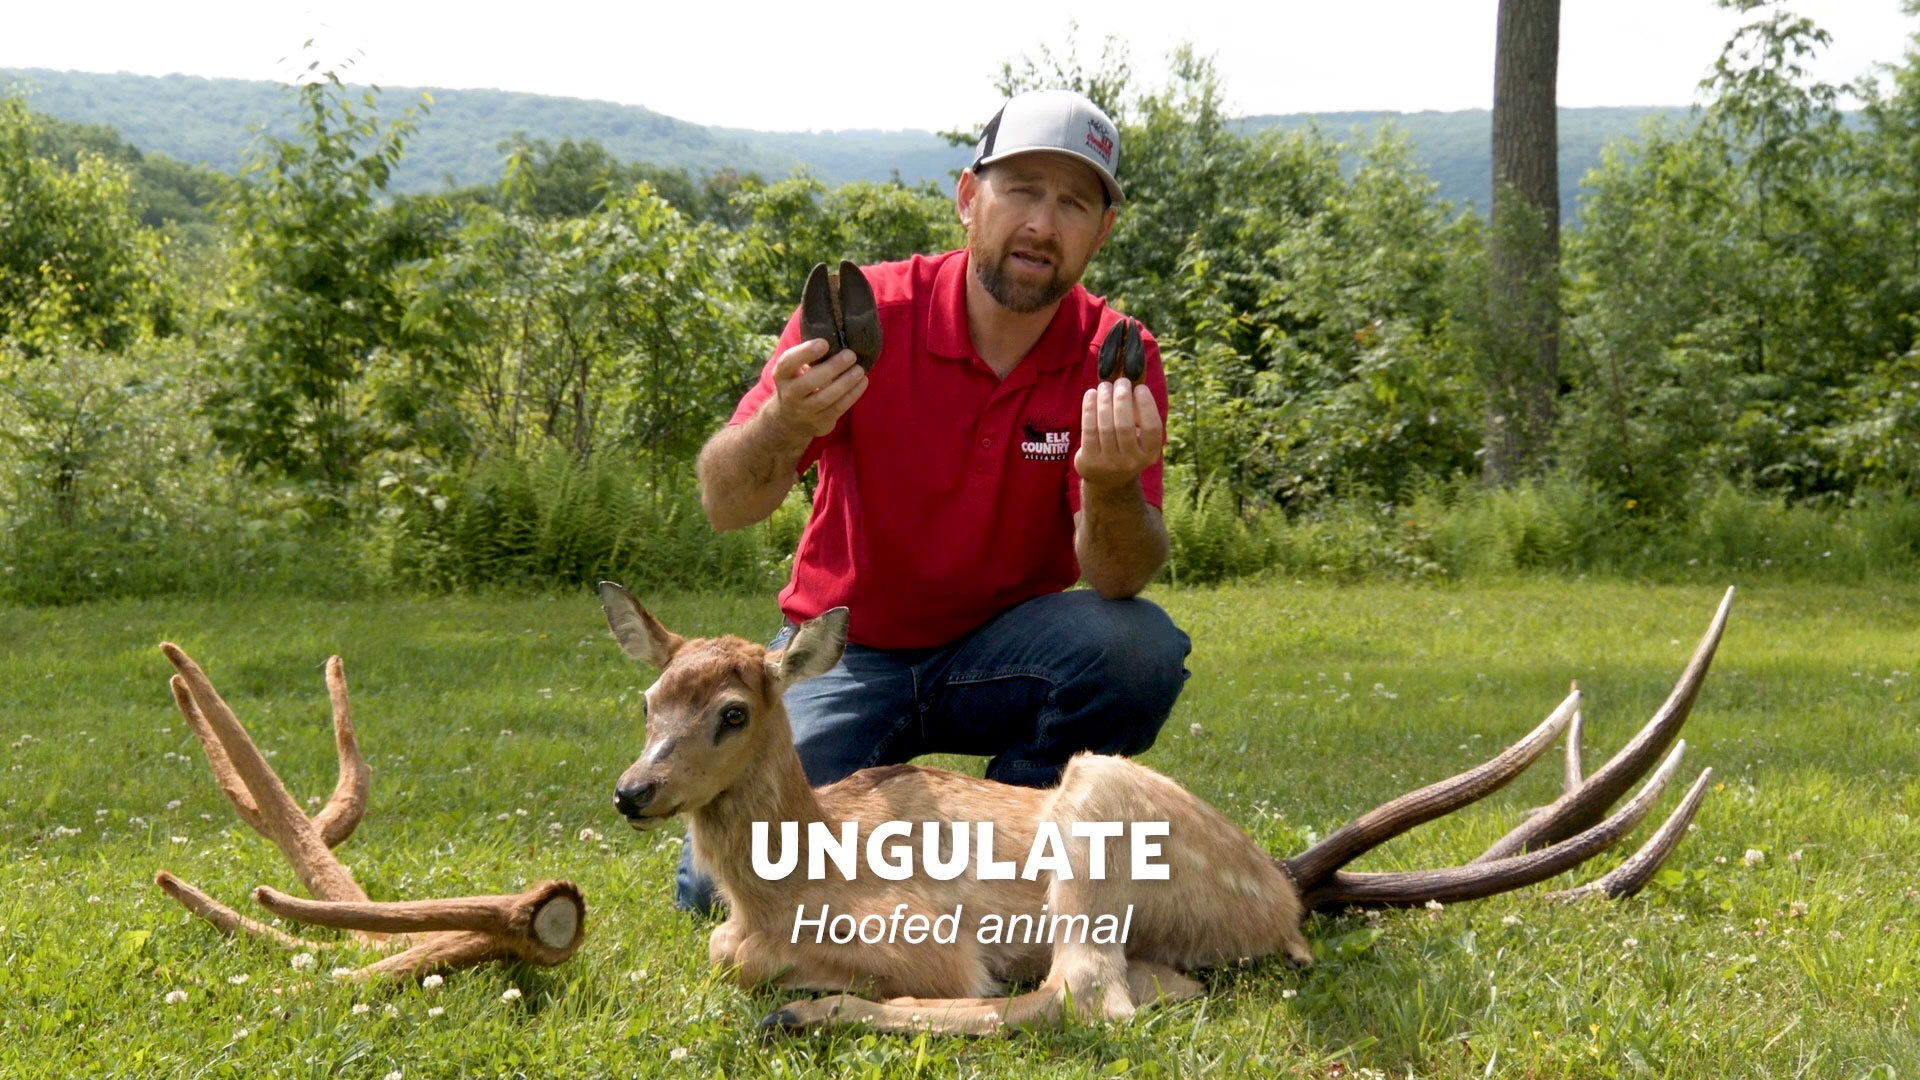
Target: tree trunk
point(1523, 303)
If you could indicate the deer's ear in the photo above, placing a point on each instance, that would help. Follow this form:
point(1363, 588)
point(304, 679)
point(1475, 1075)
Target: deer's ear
point(640, 634)
point(813, 649)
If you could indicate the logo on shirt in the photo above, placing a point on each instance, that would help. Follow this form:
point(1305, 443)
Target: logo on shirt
point(1044, 442)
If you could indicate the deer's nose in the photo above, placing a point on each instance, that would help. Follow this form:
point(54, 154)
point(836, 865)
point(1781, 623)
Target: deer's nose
point(632, 799)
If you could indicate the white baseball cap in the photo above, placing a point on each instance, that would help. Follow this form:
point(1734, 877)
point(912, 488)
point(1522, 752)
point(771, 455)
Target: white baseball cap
point(1060, 121)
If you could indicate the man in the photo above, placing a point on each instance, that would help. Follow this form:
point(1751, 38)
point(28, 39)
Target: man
point(979, 470)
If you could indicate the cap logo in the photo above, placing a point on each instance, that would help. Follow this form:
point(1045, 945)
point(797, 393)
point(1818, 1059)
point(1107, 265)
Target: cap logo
point(1099, 140)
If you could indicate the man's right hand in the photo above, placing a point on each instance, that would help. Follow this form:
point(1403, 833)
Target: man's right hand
point(811, 393)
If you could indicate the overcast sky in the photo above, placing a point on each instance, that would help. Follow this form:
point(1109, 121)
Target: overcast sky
point(825, 64)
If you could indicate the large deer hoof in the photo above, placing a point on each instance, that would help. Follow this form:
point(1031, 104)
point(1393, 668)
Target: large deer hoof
point(1123, 350)
point(839, 308)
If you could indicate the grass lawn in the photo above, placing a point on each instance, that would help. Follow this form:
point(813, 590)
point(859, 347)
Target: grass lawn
point(1784, 944)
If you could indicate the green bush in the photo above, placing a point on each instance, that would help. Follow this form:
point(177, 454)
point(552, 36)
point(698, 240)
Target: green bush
point(556, 521)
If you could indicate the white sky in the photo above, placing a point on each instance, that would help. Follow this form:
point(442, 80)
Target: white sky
point(825, 64)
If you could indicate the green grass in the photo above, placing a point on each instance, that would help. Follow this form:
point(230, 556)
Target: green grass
point(496, 726)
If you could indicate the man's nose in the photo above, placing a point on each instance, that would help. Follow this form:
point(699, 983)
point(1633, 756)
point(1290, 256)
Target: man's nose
point(632, 799)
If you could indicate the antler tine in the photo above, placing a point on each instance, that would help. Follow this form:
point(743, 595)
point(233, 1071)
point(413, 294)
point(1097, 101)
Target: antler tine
point(544, 923)
point(1574, 731)
point(285, 823)
point(1588, 802)
point(1390, 819)
point(337, 820)
point(1475, 880)
point(226, 920)
point(1632, 875)
point(230, 783)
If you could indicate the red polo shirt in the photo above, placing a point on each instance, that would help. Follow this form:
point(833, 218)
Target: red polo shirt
point(947, 494)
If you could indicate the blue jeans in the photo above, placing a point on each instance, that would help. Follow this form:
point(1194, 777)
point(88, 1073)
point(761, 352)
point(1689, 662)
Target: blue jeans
point(1042, 681)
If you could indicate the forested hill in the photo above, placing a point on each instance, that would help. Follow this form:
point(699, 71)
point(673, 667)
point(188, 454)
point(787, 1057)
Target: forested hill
point(209, 121)
point(1454, 147)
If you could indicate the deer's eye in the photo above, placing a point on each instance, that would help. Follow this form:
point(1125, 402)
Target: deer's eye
point(733, 715)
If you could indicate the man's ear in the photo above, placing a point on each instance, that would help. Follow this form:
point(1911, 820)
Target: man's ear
point(640, 634)
point(964, 193)
point(1106, 229)
point(813, 649)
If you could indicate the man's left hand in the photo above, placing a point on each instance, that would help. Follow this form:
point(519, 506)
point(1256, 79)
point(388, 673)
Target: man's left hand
point(1120, 434)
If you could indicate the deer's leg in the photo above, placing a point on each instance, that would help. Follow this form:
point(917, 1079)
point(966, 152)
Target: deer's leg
point(948, 1016)
point(1221, 900)
point(1147, 981)
point(760, 960)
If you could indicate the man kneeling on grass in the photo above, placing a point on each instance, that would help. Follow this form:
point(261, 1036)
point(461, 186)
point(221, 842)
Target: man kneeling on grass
point(983, 466)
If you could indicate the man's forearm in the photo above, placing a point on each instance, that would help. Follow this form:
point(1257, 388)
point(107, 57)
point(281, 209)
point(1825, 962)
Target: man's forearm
point(747, 469)
point(1119, 538)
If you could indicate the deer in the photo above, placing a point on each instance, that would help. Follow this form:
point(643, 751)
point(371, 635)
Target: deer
point(719, 754)
point(544, 924)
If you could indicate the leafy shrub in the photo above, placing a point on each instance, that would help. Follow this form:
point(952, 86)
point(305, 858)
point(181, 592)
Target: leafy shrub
point(554, 520)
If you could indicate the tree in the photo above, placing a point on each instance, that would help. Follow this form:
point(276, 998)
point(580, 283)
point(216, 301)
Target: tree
point(315, 300)
point(75, 264)
point(1523, 303)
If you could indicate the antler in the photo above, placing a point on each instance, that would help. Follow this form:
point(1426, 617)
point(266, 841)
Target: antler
point(543, 925)
point(1555, 839)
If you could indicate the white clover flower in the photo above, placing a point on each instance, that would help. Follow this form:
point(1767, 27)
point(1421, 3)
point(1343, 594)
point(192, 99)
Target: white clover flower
point(392, 1011)
point(1289, 994)
point(1795, 857)
point(1754, 857)
point(432, 982)
point(396, 1075)
point(588, 835)
point(178, 839)
point(1797, 910)
point(241, 1034)
point(436, 1011)
point(342, 972)
point(175, 997)
point(302, 961)
point(173, 804)
point(93, 899)
point(510, 994)
point(1435, 905)
point(238, 980)
point(1511, 920)
point(362, 1009)
point(677, 1053)
point(1195, 730)
point(1630, 943)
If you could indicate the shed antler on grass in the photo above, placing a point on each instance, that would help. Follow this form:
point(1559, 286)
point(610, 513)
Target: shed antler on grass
point(1555, 839)
point(543, 925)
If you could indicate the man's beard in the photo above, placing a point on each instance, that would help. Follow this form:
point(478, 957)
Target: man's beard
point(1021, 298)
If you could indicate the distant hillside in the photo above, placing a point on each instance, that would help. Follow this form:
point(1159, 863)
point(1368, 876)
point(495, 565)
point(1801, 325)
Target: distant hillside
point(209, 121)
point(1455, 146)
